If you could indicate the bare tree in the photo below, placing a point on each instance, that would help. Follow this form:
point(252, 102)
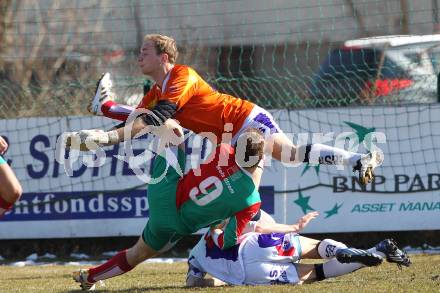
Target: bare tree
point(404, 17)
point(363, 32)
point(5, 16)
point(42, 49)
point(138, 24)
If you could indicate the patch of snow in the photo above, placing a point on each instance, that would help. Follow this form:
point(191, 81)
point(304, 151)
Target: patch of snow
point(165, 260)
point(81, 263)
point(33, 256)
point(48, 255)
point(23, 263)
point(79, 255)
point(109, 253)
point(424, 249)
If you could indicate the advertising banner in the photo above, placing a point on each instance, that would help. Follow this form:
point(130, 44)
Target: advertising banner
point(86, 197)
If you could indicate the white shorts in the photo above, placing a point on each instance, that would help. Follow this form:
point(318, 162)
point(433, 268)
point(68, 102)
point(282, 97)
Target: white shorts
point(271, 273)
point(261, 119)
point(268, 258)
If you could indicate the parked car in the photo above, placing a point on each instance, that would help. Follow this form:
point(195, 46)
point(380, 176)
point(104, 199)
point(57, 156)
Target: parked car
point(388, 69)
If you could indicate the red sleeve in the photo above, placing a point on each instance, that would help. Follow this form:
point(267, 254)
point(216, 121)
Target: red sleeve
point(112, 110)
point(116, 111)
point(244, 216)
point(235, 226)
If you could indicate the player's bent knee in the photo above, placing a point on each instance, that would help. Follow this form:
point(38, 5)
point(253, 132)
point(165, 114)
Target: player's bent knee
point(307, 273)
point(16, 192)
point(10, 187)
point(12, 193)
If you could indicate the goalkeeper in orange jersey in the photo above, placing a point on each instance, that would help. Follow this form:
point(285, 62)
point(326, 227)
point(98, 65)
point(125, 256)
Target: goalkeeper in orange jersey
point(180, 93)
point(10, 188)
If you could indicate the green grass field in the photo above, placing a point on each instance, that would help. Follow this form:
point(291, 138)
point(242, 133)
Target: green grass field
point(422, 276)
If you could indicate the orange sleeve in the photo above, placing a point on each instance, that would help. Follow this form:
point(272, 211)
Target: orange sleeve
point(149, 100)
point(181, 86)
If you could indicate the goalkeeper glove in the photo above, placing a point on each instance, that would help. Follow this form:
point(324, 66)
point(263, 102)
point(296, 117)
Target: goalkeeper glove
point(92, 139)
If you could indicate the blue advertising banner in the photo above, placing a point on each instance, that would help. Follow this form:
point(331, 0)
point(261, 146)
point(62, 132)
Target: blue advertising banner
point(92, 205)
point(84, 195)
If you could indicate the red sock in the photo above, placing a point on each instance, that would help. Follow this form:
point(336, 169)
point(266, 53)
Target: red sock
point(4, 206)
point(116, 111)
point(115, 266)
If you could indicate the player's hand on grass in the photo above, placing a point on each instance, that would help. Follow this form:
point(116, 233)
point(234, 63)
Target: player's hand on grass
point(304, 221)
point(3, 146)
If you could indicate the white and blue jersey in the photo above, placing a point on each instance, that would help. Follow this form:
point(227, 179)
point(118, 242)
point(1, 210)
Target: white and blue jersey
point(259, 259)
point(260, 119)
point(206, 257)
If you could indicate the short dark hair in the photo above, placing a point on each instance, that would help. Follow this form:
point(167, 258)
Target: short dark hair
point(249, 150)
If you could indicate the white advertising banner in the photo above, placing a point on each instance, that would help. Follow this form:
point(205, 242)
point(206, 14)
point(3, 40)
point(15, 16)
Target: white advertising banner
point(73, 200)
point(406, 192)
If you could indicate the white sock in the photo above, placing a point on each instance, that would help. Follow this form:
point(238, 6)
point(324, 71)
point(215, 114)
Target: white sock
point(333, 268)
point(327, 248)
point(326, 155)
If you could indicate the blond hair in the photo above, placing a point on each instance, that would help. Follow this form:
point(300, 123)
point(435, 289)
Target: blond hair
point(164, 44)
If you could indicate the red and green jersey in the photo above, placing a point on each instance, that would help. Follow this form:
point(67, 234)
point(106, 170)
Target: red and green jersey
point(219, 190)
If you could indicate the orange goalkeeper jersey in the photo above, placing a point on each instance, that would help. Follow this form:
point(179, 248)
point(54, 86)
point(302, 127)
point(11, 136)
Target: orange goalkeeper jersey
point(200, 108)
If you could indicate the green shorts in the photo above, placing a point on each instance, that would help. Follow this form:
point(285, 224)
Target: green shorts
point(160, 232)
point(2, 160)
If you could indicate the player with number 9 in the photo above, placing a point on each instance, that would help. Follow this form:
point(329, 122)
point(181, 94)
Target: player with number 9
point(181, 205)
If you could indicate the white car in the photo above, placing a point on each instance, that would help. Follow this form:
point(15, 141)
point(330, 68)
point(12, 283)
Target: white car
point(387, 69)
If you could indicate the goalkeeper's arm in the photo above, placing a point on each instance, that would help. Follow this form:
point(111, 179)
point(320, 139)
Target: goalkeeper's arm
point(157, 121)
point(170, 133)
point(163, 111)
point(158, 115)
point(150, 122)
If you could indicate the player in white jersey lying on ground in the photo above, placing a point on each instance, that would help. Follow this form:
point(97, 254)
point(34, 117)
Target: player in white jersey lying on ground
point(263, 259)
